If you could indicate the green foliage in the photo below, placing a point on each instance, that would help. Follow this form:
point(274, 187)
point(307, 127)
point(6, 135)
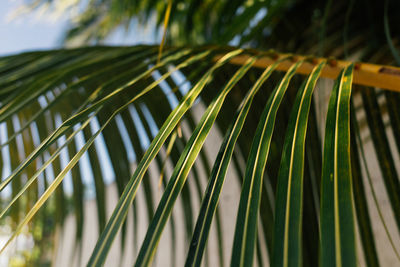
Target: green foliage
point(309, 200)
point(81, 93)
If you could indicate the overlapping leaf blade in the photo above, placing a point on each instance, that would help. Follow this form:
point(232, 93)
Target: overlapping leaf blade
point(121, 209)
point(98, 84)
point(219, 170)
point(337, 218)
point(289, 196)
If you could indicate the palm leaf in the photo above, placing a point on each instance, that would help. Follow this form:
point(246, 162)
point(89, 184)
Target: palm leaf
point(337, 227)
point(51, 100)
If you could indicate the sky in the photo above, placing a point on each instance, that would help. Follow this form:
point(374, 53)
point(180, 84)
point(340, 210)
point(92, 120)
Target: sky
point(27, 32)
point(36, 31)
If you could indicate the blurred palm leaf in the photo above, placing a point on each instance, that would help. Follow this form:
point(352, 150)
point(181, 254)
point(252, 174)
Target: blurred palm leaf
point(57, 105)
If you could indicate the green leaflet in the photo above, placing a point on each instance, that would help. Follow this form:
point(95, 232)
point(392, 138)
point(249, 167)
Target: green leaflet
point(64, 128)
point(77, 199)
point(119, 160)
point(210, 202)
point(59, 82)
point(288, 211)
point(159, 118)
point(117, 218)
point(247, 218)
point(49, 191)
point(66, 125)
point(173, 151)
point(96, 71)
point(337, 219)
point(16, 184)
point(182, 169)
point(327, 192)
point(98, 181)
point(50, 79)
point(43, 167)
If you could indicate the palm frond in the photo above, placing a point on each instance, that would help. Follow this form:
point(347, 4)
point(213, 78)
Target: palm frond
point(63, 112)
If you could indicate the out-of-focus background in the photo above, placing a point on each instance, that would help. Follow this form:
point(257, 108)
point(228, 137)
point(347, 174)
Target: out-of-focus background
point(27, 30)
point(31, 31)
